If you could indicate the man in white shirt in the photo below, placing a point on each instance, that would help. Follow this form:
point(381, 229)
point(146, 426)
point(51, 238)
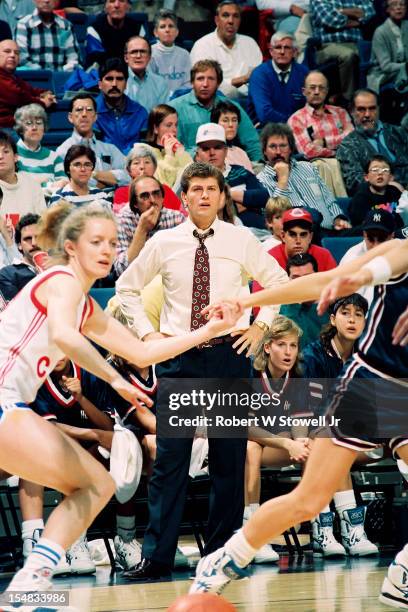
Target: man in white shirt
point(201, 258)
point(237, 54)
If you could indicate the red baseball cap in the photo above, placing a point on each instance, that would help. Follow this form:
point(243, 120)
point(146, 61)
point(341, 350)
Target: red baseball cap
point(296, 215)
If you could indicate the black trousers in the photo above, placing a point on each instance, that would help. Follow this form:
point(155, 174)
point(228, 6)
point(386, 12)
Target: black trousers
point(168, 484)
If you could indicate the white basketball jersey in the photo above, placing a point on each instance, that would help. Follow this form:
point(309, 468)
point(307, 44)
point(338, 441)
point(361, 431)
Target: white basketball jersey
point(26, 354)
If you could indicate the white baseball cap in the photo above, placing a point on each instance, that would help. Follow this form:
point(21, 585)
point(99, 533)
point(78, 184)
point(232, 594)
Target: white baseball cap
point(210, 131)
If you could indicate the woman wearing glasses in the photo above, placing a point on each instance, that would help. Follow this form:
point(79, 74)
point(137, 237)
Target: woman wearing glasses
point(79, 164)
point(44, 165)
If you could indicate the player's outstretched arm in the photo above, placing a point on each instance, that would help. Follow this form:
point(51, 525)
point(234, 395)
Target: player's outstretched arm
point(112, 335)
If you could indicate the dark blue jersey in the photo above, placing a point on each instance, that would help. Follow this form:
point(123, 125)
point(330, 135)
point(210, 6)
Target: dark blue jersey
point(322, 367)
point(114, 402)
point(54, 402)
point(375, 345)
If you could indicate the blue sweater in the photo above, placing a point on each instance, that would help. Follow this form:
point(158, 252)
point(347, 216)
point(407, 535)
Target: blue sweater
point(270, 99)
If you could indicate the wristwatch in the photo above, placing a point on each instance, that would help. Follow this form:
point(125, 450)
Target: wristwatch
point(262, 325)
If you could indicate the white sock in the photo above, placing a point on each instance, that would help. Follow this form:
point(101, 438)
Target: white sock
point(28, 527)
point(344, 500)
point(239, 550)
point(250, 510)
point(126, 527)
point(45, 554)
point(253, 508)
point(325, 509)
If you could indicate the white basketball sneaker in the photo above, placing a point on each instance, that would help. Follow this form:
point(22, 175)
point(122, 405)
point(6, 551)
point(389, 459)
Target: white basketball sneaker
point(128, 554)
point(324, 543)
point(353, 536)
point(79, 557)
point(394, 590)
point(266, 554)
point(215, 571)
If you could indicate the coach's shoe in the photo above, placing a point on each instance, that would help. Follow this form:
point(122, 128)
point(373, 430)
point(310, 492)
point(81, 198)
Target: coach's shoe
point(79, 557)
point(266, 554)
point(353, 536)
point(324, 543)
point(128, 554)
point(215, 571)
point(394, 590)
point(148, 570)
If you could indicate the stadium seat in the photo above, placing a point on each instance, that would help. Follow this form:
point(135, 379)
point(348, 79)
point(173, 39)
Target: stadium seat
point(339, 246)
point(59, 128)
point(102, 296)
point(60, 78)
point(37, 78)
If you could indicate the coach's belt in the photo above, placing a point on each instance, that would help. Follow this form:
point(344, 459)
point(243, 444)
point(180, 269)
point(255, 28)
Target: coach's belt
point(217, 341)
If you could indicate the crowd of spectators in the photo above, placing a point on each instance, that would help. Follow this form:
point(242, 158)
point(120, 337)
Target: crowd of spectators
point(298, 149)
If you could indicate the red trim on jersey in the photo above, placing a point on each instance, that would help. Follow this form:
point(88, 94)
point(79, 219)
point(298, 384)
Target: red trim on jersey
point(15, 350)
point(134, 380)
point(69, 401)
point(40, 281)
point(87, 311)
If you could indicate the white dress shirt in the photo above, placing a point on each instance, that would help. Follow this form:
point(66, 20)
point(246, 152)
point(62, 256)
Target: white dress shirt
point(235, 255)
point(235, 61)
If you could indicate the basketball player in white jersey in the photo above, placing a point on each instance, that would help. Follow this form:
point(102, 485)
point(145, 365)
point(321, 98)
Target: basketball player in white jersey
point(382, 355)
point(51, 317)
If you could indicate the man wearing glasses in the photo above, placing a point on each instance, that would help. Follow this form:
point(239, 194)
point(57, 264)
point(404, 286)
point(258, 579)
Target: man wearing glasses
point(143, 85)
point(370, 137)
point(300, 182)
point(319, 128)
point(110, 162)
point(275, 87)
point(141, 219)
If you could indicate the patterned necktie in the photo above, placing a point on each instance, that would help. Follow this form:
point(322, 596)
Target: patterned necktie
point(201, 281)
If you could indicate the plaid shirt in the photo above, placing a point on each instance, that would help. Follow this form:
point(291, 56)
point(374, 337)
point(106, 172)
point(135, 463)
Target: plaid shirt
point(48, 47)
point(333, 126)
point(127, 224)
point(305, 188)
point(329, 24)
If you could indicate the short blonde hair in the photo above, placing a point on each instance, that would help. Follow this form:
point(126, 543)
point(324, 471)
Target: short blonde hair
point(276, 205)
point(280, 327)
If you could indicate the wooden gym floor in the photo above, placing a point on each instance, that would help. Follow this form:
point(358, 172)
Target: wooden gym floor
point(295, 585)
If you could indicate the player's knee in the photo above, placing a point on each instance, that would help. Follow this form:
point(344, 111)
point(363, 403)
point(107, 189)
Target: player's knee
point(308, 505)
point(254, 452)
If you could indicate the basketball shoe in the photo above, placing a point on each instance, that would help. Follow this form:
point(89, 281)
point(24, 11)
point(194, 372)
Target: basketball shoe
point(215, 571)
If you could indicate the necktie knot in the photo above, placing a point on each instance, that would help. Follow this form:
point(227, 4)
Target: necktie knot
point(282, 76)
point(202, 237)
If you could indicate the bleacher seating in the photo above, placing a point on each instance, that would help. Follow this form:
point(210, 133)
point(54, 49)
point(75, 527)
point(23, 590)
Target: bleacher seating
point(339, 246)
point(37, 78)
point(59, 128)
point(102, 295)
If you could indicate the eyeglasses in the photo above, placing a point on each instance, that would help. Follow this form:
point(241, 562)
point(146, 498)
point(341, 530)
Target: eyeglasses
point(278, 147)
point(83, 109)
point(136, 52)
point(146, 195)
point(282, 47)
point(380, 170)
point(31, 122)
point(84, 166)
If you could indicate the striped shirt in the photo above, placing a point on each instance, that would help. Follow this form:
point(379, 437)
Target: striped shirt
point(127, 224)
point(46, 46)
point(329, 23)
point(94, 195)
point(305, 188)
point(43, 164)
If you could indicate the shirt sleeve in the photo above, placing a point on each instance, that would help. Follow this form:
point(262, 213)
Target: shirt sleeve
point(266, 270)
point(22, 42)
point(333, 139)
point(130, 284)
point(71, 46)
point(304, 142)
point(248, 136)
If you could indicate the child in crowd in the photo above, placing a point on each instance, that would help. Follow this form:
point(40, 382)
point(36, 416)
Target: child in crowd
point(323, 362)
point(278, 362)
point(170, 61)
point(377, 191)
point(274, 209)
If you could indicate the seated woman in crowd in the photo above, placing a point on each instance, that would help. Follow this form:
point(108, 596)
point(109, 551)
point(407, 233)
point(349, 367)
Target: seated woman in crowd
point(228, 115)
point(162, 136)
point(278, 362)
point(142, 161)
point(226, 209)
point(44, 165)
point(323, 361)
point(79, 164)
